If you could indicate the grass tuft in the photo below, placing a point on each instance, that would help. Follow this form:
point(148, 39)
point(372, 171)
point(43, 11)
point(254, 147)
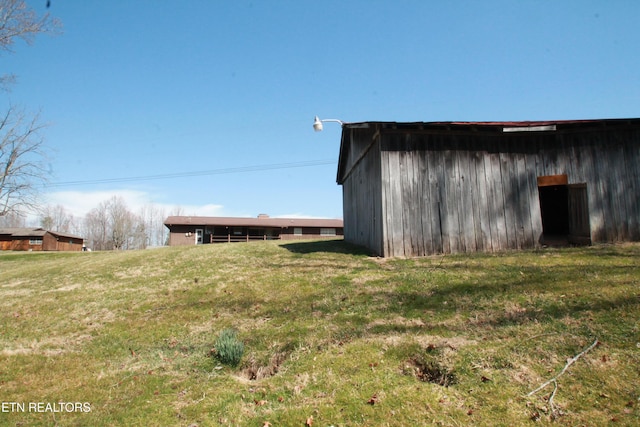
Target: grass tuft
point(228, 349)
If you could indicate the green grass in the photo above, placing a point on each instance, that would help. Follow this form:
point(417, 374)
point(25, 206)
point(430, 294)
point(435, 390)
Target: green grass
point(328, 333)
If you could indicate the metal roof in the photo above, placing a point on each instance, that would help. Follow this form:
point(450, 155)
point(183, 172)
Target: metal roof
point(507, 124)
point(261, 221)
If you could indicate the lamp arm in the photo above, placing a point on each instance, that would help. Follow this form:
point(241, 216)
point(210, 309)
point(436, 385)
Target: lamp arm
point(333, 120)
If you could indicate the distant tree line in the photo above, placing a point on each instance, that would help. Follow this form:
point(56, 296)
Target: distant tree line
point(109, 226)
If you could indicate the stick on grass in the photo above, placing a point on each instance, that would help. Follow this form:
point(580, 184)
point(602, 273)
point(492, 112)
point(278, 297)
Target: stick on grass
point(569, 363)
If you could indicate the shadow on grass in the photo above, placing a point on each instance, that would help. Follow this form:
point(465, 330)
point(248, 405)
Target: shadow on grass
point(338, 246)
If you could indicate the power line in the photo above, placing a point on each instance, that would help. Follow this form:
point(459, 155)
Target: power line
point(240, 169)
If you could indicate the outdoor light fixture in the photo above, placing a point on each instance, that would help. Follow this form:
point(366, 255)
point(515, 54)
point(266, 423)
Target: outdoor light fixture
point(317, 123)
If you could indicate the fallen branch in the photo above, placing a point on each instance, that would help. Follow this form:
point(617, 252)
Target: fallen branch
point(554, 380)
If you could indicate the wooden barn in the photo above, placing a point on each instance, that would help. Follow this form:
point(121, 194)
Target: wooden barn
point(38, 239)
point(414, 189)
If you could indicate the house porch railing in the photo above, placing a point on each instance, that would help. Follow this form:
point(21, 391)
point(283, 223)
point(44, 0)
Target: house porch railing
point(230, 238)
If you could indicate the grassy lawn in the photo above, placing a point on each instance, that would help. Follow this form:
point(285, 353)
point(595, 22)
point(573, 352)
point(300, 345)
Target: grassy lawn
point(331, 336)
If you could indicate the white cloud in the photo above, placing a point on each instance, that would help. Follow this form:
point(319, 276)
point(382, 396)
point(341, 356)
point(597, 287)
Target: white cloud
point(79, 203)
point(298, 216)
point(195, 210)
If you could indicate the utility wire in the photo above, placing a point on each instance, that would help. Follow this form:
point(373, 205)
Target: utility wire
point(240, 169)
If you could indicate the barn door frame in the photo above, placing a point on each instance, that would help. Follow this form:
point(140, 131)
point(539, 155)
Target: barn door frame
point(579, 227)
point(564, 211)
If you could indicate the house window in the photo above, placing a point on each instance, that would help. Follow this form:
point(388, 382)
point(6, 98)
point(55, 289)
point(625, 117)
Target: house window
point(297, 231)
point(327, 231)
point(35, 241)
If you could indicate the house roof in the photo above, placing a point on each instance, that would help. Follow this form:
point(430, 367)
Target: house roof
point(33, 232)
point(261, 221)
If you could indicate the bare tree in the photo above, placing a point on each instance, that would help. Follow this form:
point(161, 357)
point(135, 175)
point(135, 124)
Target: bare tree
point(21, 156)
point(18, 21)
point(96, 228)
point(12, 220)
point(111, 225)
point(152, 219)
point(122, 223)
point(160, 231)
point(57, 218)
point(177, 211)
point(21, 143)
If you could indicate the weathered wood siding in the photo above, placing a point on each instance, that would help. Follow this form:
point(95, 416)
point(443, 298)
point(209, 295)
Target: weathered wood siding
point(448, 193)
point(361, 192)
point(608, 162)
point(418, 192)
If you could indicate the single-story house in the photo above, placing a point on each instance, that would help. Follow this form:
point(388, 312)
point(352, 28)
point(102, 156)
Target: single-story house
point(195, 230)
point(414, 189)
point(38, 239)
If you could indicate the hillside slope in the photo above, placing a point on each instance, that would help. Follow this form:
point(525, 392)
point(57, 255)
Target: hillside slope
point(331, 337)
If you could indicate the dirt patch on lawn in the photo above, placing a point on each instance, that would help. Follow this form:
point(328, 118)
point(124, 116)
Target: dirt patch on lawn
point(256, 371)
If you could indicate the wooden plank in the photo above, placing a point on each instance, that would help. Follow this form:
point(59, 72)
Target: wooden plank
point(522, 202)
point(386, 234)
point(422, 193)
point(549, 180)
point(417, 234)
point(508, 198)
point(579, 230)
point(617, 188)
point(549, 159)
point(606, 171)
point(421, 219)
point(453, 203)
point(376, 201)
point(490, 197)
point(394, 206)
point(595, 192)
point(440, 183)
point(446, 202)
point(632, 171)
point(467, 211)
point(573, 160)
point(496, 207)
point(410, 204)
point(481, 200)
point(583, 172)
point(534, 198)
point(435, 226)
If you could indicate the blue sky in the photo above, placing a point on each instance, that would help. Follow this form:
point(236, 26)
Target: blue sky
point(160, 88)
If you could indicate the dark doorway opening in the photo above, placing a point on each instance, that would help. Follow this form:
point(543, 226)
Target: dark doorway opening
point(565, 211)
point(554, 205)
